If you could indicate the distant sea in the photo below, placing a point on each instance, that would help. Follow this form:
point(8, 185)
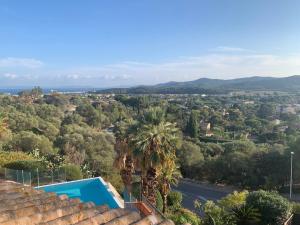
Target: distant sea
point(14, 91)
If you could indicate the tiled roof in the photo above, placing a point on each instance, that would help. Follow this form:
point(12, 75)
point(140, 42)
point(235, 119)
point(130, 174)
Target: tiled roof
point(23, 205)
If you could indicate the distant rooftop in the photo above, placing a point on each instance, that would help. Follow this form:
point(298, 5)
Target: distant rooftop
point(23, 205)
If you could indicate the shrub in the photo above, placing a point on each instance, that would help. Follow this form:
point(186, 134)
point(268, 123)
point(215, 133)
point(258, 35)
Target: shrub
point(27, 165)
point(73, 172)
point(274, 209)
point(115, 179)
point(296, 207)
point(214, 214)
point(27, 141)
point(245, 215)
point(183, 216)
point(8, 157)
point(234, 200)
point(136, 190)
point(159, 201)
point(174, 200)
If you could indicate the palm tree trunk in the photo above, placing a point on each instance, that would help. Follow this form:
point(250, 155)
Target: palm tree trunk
point(126, 174)
point(151, 184)
point(165, 203)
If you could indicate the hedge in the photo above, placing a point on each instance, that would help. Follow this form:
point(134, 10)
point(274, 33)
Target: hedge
point(27, 165)
point(8, 157)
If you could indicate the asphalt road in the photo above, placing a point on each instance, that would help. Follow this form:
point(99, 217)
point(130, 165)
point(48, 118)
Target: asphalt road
point(193, 191)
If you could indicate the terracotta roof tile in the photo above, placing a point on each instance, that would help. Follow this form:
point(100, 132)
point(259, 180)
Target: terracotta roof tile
point(22, 205)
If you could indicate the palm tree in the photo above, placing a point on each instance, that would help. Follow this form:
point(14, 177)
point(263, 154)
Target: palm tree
point(169, 175)
point(153, 144)
point(124, 159)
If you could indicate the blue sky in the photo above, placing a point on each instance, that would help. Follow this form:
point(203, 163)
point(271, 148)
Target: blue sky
point(104, 43)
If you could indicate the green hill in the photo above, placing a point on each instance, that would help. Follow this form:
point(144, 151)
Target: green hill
point(215, 86)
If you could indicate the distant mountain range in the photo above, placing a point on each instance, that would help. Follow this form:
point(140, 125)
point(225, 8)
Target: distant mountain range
point(215, 86)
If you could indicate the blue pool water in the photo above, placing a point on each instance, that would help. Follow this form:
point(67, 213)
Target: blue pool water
point(94, 189)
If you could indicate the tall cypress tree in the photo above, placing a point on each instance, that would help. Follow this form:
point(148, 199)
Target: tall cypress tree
point(192, 127)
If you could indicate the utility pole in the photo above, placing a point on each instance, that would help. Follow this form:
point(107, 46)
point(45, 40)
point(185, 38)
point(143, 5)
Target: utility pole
point(291, 176)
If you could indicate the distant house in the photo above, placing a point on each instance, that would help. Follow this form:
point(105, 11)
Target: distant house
point(276, 122)
point(248, 102)
point(287, 109)
point(283, 128)
point(205, 128)
point(71, 108)
point(224, 112)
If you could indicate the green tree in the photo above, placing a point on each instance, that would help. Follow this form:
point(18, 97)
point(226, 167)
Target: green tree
point(27, 141)
point(273, 208)
point(3, 125)
point(154, 115)
point(192, 127)
point(124, 160)
point(174, 200)
point(154, 144)
point(18, 121)
point(73, 172)
point(234, 168)
point(266, 111)
point(36, 92)
point(169, 175)
point(191, 159)
point(271, 167)
point(92, 116)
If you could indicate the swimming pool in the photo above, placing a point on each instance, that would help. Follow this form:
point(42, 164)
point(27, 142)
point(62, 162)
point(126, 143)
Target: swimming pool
point(92, 189)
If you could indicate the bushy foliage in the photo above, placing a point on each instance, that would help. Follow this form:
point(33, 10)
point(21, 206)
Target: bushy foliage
point(115, 179)
point(296, 207)
point(217, 215)
point(191, 159)
point(159, 201)
point(27, 141)
point(9, 157)
point(27, 165)
point(234, 200)
point(273, 208)
point(243, 208)
point(73, 172)
point(184, 216)
point(246, 215)
point(174, 200)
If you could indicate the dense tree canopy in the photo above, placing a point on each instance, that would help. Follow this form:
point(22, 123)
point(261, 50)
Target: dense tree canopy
point(240, 139)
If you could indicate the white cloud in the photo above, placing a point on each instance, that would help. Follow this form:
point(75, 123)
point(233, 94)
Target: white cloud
point(12, 62)
point(213, 65)
point(73, 76)
point(216, 65)
point(10, 75)
point(230, 49)
point(223, 65)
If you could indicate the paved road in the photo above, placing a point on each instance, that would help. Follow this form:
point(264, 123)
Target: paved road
point(193, 191)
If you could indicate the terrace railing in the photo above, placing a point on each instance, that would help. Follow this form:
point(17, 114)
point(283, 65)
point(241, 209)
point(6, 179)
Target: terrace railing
point(33, 177)
point(19, 176)
point(143, 206)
